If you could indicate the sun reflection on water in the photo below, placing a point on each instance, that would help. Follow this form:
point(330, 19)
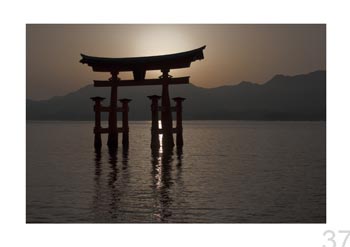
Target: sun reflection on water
point(160, 138)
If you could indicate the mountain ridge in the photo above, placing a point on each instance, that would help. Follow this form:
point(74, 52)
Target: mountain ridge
point(299, 97)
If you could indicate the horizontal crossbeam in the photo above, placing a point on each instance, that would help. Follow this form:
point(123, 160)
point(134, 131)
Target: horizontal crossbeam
point(146, 82)
point(140, 64)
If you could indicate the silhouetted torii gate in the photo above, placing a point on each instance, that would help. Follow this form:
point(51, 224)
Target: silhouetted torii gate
point(138, 66)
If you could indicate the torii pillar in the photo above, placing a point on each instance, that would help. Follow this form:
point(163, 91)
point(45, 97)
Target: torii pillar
point(178, 107)
point(97, 128)
point(154, 129)
point(125, 128)
point(167, 120)
point(112, 116)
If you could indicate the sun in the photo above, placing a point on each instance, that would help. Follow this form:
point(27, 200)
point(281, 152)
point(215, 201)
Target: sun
point(162, 39)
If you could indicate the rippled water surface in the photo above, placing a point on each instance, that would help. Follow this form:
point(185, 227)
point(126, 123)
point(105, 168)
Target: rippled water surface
point(228, 171)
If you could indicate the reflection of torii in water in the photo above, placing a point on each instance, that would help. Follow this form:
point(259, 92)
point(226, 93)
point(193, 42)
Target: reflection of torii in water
point(138, 66)
point(163, 179)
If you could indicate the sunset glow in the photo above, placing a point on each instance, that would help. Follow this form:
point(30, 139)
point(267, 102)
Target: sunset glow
point(234, 53)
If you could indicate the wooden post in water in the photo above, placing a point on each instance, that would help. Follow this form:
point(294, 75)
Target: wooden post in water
point(125, 110)
point(179, 137)
point(112, 119)
point(97, 128)
point(167, 122)
point(154, 130)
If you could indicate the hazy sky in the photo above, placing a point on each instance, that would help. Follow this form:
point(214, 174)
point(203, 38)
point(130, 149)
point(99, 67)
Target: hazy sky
point(234, 52)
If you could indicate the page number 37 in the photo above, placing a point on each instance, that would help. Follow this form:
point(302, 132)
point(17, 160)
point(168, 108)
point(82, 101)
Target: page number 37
point(334, 239)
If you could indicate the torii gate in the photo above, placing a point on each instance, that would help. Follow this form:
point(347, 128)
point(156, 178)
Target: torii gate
point(139, 66)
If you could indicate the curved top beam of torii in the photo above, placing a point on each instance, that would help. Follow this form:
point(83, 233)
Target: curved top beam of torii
point(142, 64)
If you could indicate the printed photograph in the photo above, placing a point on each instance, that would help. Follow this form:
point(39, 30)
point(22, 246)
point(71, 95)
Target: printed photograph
point(176, 123)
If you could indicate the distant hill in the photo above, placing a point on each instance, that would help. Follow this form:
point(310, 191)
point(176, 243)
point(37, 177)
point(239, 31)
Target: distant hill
point(301, 97)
